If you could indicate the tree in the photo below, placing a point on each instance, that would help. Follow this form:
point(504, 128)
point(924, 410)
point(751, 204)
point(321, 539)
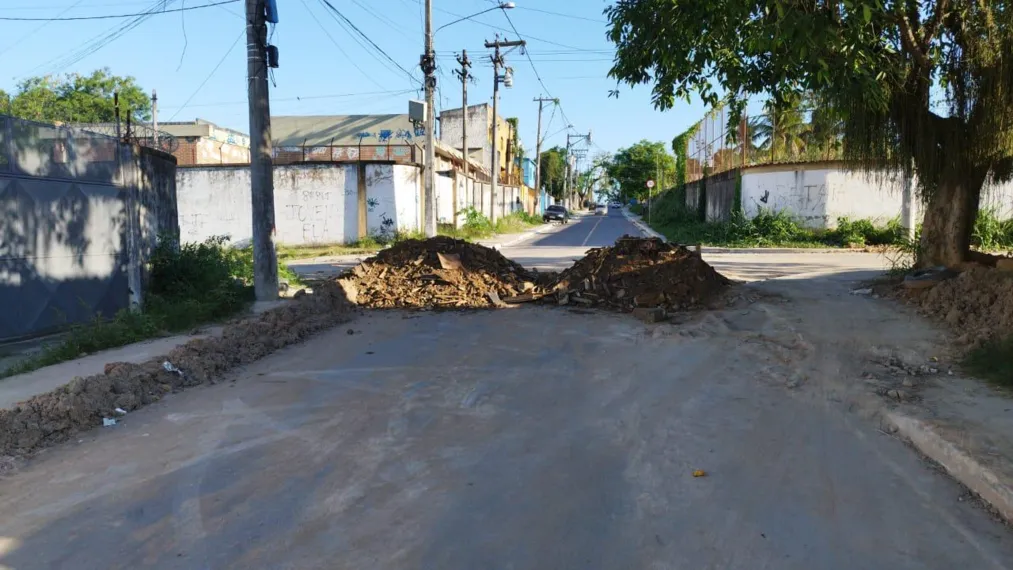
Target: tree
point(553, 171)
point(633, 166)
point(596, 177)
point(879, 64)
point(76, 98)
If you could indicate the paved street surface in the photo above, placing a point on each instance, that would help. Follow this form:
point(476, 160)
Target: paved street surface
point(528, 438)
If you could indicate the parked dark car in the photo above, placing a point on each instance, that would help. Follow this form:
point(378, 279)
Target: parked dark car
point(556, 213)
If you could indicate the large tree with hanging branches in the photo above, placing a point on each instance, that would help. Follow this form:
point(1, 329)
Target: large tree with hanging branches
point(922, 85)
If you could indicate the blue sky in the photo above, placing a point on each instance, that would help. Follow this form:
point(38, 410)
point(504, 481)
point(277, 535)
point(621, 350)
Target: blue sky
point(325, 70)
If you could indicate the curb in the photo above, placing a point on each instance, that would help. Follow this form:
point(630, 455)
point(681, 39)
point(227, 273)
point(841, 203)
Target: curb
point(644, 228)
point(970, 472)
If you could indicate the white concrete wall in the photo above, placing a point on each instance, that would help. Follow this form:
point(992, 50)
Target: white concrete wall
point(444, 199)
point(819, 194)
point(315, 203)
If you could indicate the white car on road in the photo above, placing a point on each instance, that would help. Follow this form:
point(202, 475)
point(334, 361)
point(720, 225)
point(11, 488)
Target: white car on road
point(601, 210)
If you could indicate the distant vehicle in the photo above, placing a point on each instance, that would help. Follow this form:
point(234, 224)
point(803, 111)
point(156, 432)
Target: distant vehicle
point(615, 205)
point(601, 210)
point(556, 213)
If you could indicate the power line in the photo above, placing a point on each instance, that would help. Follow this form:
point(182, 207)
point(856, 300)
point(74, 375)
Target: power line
point(210, 75)
point(562, 14)
point(368, 39)
point(36, 30)
point(114, 16)
point(305, 98)
point(340, 49)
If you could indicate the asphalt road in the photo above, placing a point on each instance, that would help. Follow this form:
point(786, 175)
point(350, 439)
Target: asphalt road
point(530, 438)
point(589, 231)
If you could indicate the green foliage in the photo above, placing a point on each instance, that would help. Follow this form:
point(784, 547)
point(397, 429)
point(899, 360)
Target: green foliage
point(517, 152)
point(910, 82)
point(553, 171)
point(993, 361)
point(767, 229)
point(631, 168)
point(477, 226)
point(77, 98)
point(990, 233)
point(680, 146)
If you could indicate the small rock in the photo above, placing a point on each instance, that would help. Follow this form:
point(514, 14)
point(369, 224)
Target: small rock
point(649, 315)
point(864, 291)
point(908, 383)
point(895, 394)
point(350, 331)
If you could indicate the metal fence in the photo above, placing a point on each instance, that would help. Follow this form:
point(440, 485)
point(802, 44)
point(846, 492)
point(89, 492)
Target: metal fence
point(64, 236)
point(398, 153)
point(773, 136)
point(142, 134)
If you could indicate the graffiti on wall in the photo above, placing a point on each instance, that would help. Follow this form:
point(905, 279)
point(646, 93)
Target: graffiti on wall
point(316, 212)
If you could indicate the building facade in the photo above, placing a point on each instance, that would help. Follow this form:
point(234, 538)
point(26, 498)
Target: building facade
point(479, 128)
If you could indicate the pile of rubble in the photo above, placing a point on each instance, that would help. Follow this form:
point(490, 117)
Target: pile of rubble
point(439, 272)
point(640, 273)
point(978, 303)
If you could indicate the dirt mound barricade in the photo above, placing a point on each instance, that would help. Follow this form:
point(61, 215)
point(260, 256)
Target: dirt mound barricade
point(82, 404)
point(640, 272)
point(977, 303)
point(439, 272)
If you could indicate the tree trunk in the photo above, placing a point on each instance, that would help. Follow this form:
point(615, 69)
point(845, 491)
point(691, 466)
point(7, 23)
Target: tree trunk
point(949, 222)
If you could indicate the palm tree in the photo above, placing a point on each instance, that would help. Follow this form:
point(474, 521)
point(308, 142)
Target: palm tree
point(780, 132)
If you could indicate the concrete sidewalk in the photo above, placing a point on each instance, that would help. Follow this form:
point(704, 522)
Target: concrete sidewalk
point(21, 387)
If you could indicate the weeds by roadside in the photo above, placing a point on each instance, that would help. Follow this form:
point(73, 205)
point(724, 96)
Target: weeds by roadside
point(993, 361)
point(189, 284)
point(477, 226)
point(369, 244)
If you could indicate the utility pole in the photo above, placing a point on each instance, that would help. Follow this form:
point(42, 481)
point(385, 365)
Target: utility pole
point(464, 76)
point(507, 79)
point(569, 137)
point(265, 262)
point(538, 143)
point(428, 65)
point(154, 118)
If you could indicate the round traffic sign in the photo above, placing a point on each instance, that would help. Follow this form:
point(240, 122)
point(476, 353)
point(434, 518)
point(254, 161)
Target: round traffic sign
point(650, 184)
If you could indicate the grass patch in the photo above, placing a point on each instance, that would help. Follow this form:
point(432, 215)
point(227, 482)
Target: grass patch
point(365, 245)
point(477, 226)
point(991, 233)
point(993, 361)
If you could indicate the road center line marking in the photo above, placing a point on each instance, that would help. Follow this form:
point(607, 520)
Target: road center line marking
point(591, 232)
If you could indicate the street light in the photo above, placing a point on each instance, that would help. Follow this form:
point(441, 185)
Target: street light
point(502, 6)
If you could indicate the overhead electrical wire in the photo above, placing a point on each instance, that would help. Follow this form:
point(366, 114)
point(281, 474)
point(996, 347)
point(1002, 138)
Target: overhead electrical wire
point(115, 16)
point(348, 58)
point(367, 38)
point(562, 15)
point(210, 75)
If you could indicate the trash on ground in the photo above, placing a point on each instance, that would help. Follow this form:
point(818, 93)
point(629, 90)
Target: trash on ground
point(863, 291)
point(699, 473)
point(120, 411)
point(170, 368)
point(108, 422)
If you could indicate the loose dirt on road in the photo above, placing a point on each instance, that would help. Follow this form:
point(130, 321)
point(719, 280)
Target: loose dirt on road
point(978, 303)
point(82, 404)
point(439, 272)
point(446, 273)
point(641, 272)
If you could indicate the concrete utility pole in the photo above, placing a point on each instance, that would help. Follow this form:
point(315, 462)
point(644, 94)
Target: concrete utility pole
point(428, 65)
point(497, 61)
point(154, 117)
point(538, 142)
point(464, 76)
point(265, 262)
point(569, 137)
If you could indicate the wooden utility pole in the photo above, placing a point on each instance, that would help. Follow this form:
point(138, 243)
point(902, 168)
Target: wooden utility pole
point(464, 76)
point(265, 262)
point(429, 185)
point(497, 61)
point(538, 142)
